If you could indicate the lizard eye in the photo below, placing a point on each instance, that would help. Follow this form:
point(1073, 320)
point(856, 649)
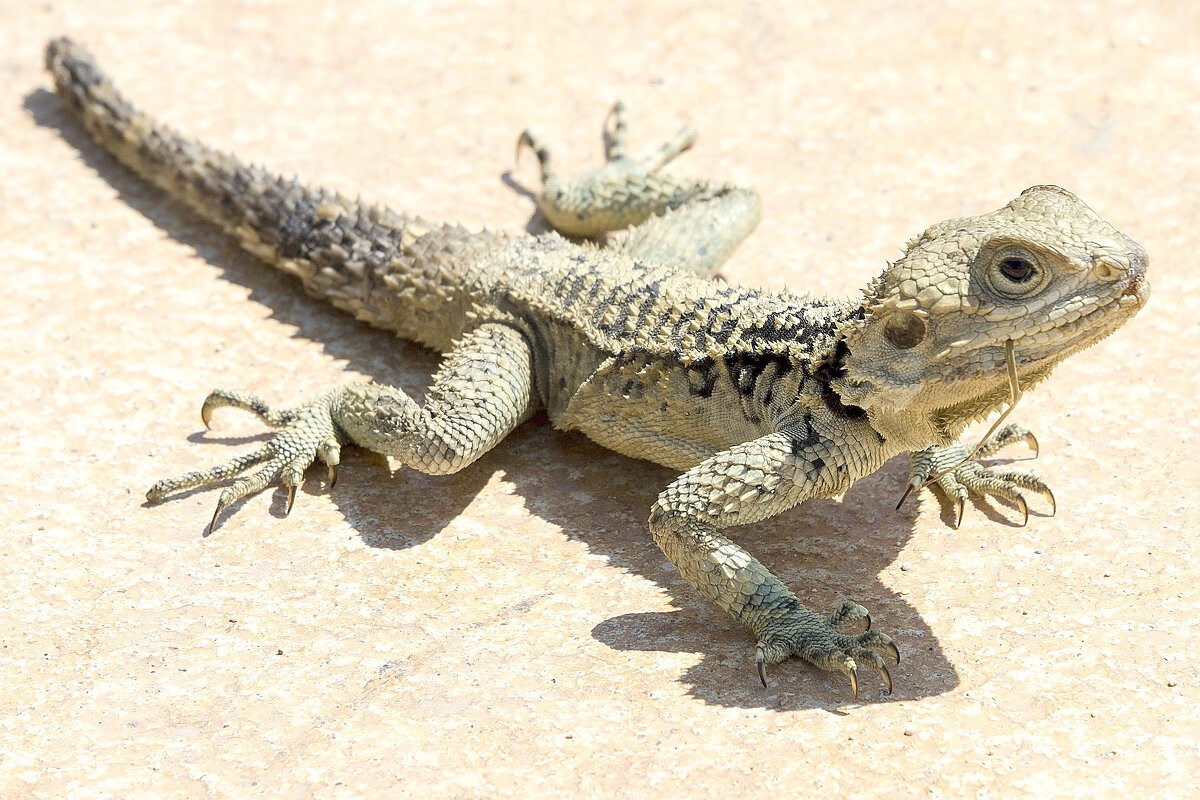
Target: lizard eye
point(1017, 269)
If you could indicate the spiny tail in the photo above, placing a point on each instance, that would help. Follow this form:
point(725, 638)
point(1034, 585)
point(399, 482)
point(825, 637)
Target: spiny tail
point(389, 269)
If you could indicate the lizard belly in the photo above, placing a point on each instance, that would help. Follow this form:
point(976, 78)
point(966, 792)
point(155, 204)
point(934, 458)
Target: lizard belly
point(674, 415)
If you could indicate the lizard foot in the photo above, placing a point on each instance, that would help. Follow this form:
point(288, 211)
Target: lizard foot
point(937, 465)
point(624, 192)
point(306, 434)
point(695, 225)
point(823, 642)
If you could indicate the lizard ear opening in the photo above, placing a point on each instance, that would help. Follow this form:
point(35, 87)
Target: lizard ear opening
point(905, 330)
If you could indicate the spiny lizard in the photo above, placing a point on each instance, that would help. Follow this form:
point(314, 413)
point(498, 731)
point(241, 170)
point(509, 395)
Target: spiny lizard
point(762, 398)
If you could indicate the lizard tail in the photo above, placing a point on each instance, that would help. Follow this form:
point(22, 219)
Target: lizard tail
point(391, 270)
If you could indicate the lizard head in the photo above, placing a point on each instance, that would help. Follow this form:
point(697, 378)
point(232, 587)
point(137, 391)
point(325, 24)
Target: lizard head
point(1045, 272)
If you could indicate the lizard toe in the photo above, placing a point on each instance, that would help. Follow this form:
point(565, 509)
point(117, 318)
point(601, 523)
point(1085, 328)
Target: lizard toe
point(1005, 484)
point(847, 615)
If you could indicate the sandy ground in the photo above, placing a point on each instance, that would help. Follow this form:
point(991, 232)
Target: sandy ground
point(512, 631)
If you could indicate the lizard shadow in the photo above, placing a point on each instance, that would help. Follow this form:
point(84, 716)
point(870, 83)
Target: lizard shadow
point(537, 224)
point(594, 496)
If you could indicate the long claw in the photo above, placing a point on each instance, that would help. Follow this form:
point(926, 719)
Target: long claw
point(213, 523)
point(904, 496)
point(527, 139)
point(332, 478)
point(1032, 441)
point(617, 108)
point(958, 513)
point(1021, 504)
point(895, 651)
point(853, 675)
point(523, 141)
point(868, 620)
point(762, 669)
point(291, 499)
point(1053, 505)
point(887, 677)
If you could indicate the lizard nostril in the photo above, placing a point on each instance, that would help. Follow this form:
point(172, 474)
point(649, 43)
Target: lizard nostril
point(1106, 271)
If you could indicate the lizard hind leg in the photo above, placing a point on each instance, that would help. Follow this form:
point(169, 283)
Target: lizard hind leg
point(483, 389)
point(621, 193)
point(693, 224)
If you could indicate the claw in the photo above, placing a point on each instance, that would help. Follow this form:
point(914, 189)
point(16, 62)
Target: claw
point(1032, 441)
point(895, 651)
point(332, 477)
point(887, 677)
point(1053, 505)
point(291, 499)
point(868, 620)
point(762, 668)
point(1021, 504)
point(213, 523)
point(904, 496)
point(522, 141)
point(617, 108)
point(853, 675)
point(958, 514)
point(527, 139)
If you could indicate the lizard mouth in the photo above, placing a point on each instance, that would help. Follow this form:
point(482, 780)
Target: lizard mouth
point(1134, 286)
point(1099, 323)
point(1138, 288)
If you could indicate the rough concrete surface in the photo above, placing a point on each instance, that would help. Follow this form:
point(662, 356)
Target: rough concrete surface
point(512, 631)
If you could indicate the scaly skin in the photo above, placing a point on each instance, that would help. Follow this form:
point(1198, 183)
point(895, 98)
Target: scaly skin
point(763, 398)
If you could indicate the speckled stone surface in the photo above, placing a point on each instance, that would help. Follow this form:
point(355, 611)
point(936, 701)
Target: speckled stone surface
point(512, 631)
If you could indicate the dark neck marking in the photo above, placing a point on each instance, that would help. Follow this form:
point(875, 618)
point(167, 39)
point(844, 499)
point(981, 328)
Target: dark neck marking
point(830, 371)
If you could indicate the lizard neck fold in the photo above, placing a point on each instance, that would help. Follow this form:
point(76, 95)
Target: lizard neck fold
point(826, 374)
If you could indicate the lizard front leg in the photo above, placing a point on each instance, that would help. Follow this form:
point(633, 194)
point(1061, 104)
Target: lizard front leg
point(745, 484)
point(483, 389)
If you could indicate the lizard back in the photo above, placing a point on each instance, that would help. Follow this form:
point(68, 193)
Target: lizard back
point(604, 328)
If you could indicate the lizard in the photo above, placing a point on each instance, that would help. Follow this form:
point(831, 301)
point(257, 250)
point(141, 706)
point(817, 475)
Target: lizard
point(761, 398)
